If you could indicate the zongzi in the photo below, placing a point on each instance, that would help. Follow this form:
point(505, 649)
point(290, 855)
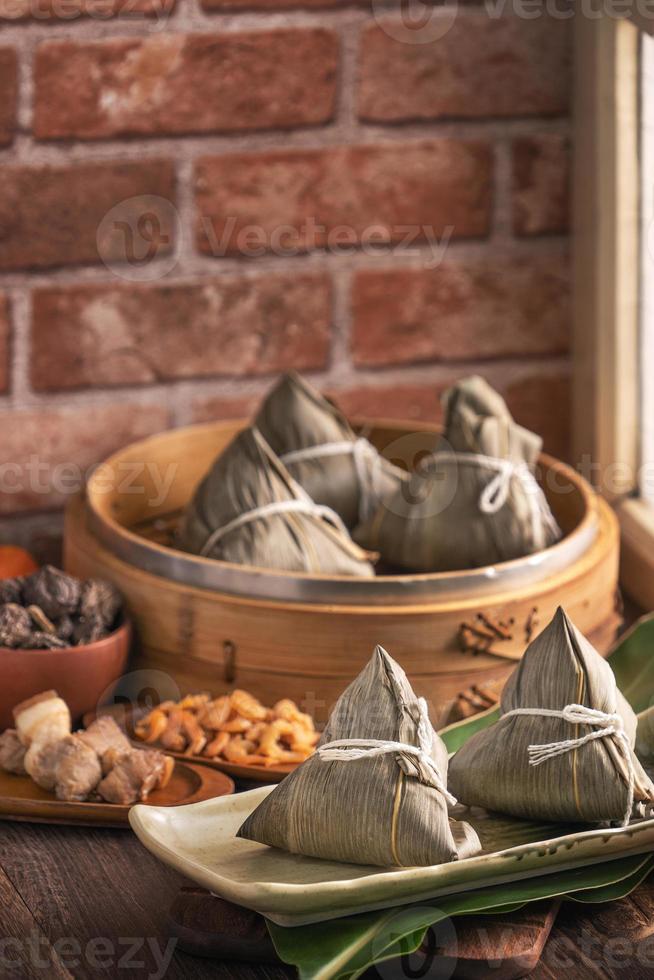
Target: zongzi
point(317, 445)
point(563, 747)
point(375, 790)
point(250, 511)
point(474, 501)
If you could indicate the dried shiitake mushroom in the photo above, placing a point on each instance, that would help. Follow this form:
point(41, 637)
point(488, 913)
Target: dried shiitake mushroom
point(55, 592)
point(52, 610)
point(15, 626)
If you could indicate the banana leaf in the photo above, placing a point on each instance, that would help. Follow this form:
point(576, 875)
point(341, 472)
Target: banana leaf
point(343, 949)
point(632, 662)
point(459, 732)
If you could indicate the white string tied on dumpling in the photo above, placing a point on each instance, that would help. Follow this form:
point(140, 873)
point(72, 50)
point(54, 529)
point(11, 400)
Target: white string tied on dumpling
point(353, 749)
point(303, 506)
point(605, 725)
point(366, 463)
point(496, 492)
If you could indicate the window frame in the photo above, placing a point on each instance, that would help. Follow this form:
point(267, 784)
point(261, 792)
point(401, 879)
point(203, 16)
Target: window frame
point(606, 267)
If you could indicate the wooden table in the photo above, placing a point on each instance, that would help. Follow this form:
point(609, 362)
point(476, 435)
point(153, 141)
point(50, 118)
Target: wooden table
point(85, 903)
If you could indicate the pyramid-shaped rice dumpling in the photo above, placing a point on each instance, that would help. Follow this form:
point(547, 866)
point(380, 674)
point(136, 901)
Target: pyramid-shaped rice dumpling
point(474, 501)
point(532, 764)
point(362, 803)
point(319, 448)
point(249, 510)
point(477, 420)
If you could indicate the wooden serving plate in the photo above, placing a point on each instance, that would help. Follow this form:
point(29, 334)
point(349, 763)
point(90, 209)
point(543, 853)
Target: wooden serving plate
point(22, 799)
point(124, 715)
point(257, 774)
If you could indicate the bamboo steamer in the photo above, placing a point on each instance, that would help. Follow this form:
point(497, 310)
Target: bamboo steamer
point(213, 626)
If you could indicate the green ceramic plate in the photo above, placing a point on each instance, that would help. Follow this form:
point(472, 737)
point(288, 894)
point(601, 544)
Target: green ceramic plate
point(199, 840)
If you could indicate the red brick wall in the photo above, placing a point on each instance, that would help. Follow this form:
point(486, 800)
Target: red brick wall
point(197, 194)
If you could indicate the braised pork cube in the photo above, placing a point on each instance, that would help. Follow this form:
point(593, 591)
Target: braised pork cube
point(104, 735)
point(78, 770)
point(134, 775)
point(12, 752)
point(42, 718)
point(41, 761)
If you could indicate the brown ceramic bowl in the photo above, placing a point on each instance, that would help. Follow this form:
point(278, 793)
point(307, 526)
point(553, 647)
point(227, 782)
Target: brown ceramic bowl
point(80, 675)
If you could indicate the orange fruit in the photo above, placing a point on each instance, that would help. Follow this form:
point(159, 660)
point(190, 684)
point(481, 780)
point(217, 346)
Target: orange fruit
point(15, 561)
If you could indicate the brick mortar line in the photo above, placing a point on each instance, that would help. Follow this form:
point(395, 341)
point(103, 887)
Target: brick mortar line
point(493, 127)
point(25, 93)
point(502, 221)
point(184, 248)
point(20, 315)
point(350, 43)
point(392, 257)
point(340, 361)
point(192, 17)
point(183, 20)
point(435, 373)
point(197, 267)
point(252, 20)
point(66, 153)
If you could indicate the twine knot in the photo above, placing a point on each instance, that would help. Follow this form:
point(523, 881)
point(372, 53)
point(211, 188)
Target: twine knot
point(605, 725)
point(496, 492)
point(352, 749)
point(366, 464)
point(302, 505)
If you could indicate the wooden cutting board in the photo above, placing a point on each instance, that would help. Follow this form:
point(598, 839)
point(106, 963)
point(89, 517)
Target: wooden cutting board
point(500, 946)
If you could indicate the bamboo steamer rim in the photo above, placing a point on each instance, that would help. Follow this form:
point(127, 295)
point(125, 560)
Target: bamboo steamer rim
point(605, 544)
point(278, 585)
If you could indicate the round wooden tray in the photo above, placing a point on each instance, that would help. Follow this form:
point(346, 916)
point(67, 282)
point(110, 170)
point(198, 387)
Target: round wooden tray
point(447, 631)
point(22, 799)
